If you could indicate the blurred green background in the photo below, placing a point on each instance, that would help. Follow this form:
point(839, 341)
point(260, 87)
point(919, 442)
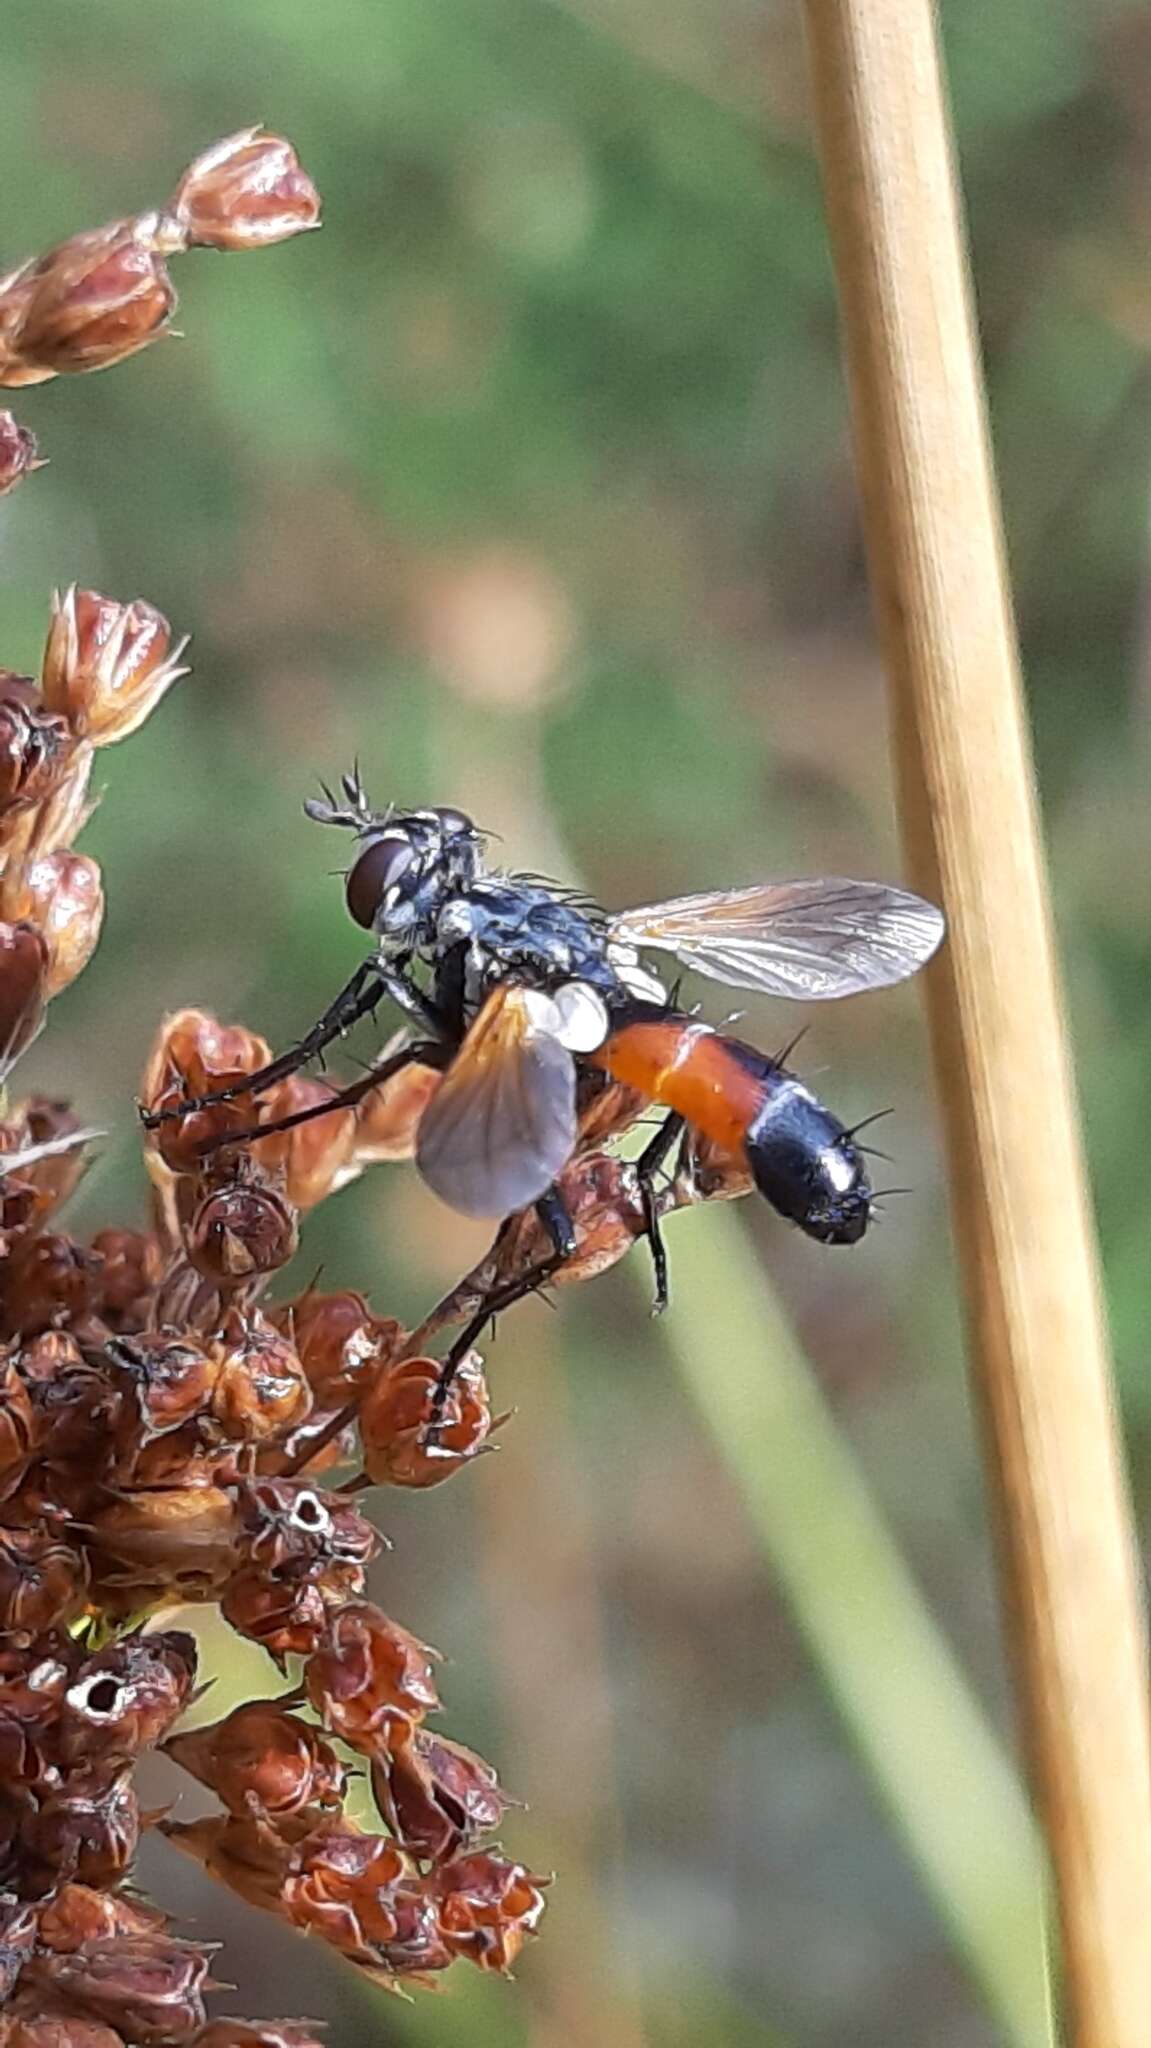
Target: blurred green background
point(528, 481)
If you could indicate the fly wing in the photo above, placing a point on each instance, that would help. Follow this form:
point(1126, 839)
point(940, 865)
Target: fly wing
point(809, 940)
point(502, 1124)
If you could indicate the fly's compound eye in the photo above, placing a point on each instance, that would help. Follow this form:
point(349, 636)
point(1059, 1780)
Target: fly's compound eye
point(383, 863)
point(453, 821)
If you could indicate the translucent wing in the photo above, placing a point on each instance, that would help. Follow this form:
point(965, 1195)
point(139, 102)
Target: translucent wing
point(810, 940)
point(502, 1124)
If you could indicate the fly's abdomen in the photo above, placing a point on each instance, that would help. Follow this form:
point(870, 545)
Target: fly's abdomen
point(801, 1157)
point(805, 1162)
point(688, 1068)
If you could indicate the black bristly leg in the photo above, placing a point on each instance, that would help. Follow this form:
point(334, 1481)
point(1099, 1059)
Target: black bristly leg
point(427, 1052)
point(361, 994)
point(370, 983)
point(647, 1167)
point(554, 1214)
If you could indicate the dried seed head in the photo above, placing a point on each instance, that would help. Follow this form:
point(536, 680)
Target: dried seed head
point(170, 1536)
point(87, 1831)
point(149, 1985)
point(341, 1885)
point(92, 301)
point(17, 1418)
point(62, 895)
point(487, 1907)
point(262, 1761)
point(245, 191)
point(43, 1127)
point(127, 1697)
point(240, 1230)
point(24, 963)
point(42, 2028)
point(43, 1583)
point(249, 1856)
point(78, 1913)
point(370, 1678)
point(436, 1796)
point(398, 1409)
point(315, 1156)
point(286, 1613)
point(106, 664)
point(128, 1271)
point(341, 1345)
point(48, 1281)
point(290, 1521)
point(260, 1391)
point(170, 1379)
point(19, 455)
point(35, 744)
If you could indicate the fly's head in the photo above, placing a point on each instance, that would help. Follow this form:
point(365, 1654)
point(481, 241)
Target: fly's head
point(407, 865)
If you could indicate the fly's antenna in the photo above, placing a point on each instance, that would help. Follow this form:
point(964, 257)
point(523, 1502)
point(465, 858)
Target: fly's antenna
point(355, 814)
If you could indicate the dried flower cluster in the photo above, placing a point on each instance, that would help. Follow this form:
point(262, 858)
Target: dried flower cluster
point(104, 294)
point(160, 1438)
point(161, 1425)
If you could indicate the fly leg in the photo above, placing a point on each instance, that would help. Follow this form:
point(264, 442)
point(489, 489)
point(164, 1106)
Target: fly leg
point(647, 1169)
point(555, 1216)
point(363, 993)
point(426, 1052)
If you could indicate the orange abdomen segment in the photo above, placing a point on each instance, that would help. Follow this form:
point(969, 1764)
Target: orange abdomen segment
point(689, 1068)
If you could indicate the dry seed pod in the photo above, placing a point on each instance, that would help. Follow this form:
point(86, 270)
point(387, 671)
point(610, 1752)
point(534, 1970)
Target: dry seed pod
point(179, 1536)
point(39, 2026)
point(260, 1392)
point(285, 1613)
point(240, 1229)
point(249, 1856)
point(48, 1281)
point(24, 963)
point(43, 1583)
point(396, 1416)
point(92, 301)
point(126, 1698)
point(149, 1985)
point(129, 1267)
point(48, 1141)
point(388, 1118)
point(291, 1522)
point(19, 455)
point(35, 744)
point(106, 664)
point(370, 1678)
point(61, 894)
point(436, 1796)
point(262, 1761)
point(79, 1913)
point(341, 1345)
point(86, 1830)
point(488, 1905)
point(315, 1156)
point(244, 192)
point(341, 1884)
point(169, 1378)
